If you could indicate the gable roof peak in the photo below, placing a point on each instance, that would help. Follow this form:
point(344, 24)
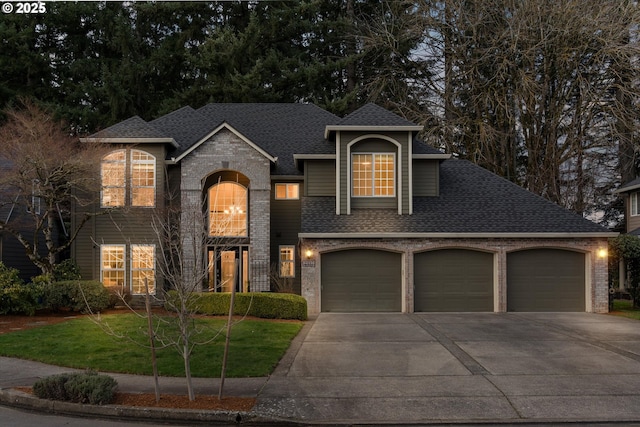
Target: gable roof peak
point(133, 129)
point(629, 186)
point(372, 117)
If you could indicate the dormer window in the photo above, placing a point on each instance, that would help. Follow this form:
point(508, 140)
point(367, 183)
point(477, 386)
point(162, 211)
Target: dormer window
point(373, 175)
point(635, 208)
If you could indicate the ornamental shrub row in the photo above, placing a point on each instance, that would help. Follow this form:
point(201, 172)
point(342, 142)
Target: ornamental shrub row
point(88, 387)
point(17, 297)
point(82, 296)
point(258, 304)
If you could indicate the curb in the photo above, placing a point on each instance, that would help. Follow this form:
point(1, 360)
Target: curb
point(18, 399)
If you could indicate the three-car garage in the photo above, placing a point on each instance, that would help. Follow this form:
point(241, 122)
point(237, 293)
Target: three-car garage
point(452, 280)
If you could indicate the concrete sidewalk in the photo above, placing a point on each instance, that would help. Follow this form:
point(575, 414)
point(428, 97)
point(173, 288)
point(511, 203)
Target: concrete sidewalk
point(426, 368)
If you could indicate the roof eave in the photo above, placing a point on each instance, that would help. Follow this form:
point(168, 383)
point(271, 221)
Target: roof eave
point(227, 126)
point(298, 157)
point(458, 235)
point(442, 156)
point(627, 189)
point(334, 128)
point(132, 141)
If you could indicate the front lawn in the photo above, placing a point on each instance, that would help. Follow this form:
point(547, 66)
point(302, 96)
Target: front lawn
point(624, 308)
point(256, 346)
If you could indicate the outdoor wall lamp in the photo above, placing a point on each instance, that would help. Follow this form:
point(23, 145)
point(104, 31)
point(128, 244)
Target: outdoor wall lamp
point(309, 253)
point(602, 253)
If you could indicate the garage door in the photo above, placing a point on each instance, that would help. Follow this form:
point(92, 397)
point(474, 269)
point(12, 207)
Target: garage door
point(361, 280)
point(545, 280)
point(453, 280)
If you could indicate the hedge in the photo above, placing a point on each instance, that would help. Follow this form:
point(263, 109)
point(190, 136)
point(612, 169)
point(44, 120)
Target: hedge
point(258, 304)
point(77, 295)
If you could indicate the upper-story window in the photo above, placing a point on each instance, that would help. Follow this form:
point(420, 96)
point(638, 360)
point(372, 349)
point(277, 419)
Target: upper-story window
point(141, 179)
point(228, 210)
point(635, 208)
point(287, 191)
point(373, 174)
point(113, 170)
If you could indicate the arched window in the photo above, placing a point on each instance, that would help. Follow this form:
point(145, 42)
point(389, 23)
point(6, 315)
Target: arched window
point(141, 179)
point(228, 210)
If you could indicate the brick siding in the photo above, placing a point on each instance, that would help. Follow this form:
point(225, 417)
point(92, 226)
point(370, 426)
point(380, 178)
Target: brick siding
point(226, 151)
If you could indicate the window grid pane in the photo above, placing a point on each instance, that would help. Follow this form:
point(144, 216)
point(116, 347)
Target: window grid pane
point(143, 179)
point(228, 210)
point(384, 175)
point(287, 261)
point(113, 179)
point(112, 265)
point(287, 191)
point(373, 175)
point(362, 173)
point(143, 267)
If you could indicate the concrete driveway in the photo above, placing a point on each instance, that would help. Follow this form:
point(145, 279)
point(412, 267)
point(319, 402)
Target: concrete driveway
point(433, 367)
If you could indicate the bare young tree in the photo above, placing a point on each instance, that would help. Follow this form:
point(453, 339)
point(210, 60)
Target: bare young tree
point(46, 170)
point(183, 264)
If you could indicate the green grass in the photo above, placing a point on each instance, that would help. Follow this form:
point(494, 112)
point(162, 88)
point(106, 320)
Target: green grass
point(256, 346)
point(624, 308)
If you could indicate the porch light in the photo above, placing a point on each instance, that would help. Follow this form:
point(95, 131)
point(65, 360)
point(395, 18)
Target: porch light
point(309, 253)
point(602, 253)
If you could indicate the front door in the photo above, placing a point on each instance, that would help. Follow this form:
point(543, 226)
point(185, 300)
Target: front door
point(228, 266)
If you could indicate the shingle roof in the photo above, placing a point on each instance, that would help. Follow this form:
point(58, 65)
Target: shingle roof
point(471, 200)
point(632, 185)
point(373, 115)
point(133, 127)
point(186, 126)
point(280, 129)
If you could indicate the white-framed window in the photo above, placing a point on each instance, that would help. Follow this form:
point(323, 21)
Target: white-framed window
point(143, 260)
point(112, 265)
point(113, 175)
point(373, 174)
point(228, 210)
point(141, 179)
point(287, 263)
point(634, 207)
point(287, 191)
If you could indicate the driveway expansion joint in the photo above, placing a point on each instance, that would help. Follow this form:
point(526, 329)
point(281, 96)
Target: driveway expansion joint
point(463, 357)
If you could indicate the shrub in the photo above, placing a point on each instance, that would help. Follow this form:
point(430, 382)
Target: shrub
point(88, 387)
point(66, 270)
point(118, 295)
point(16, 297)
point(258, 304)
point(77, 295)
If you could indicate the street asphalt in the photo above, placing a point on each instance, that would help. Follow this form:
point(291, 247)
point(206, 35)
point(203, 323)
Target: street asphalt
point(422, 368)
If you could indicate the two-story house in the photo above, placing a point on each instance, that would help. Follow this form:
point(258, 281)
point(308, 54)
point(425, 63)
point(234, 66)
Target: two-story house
point(357, 212)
